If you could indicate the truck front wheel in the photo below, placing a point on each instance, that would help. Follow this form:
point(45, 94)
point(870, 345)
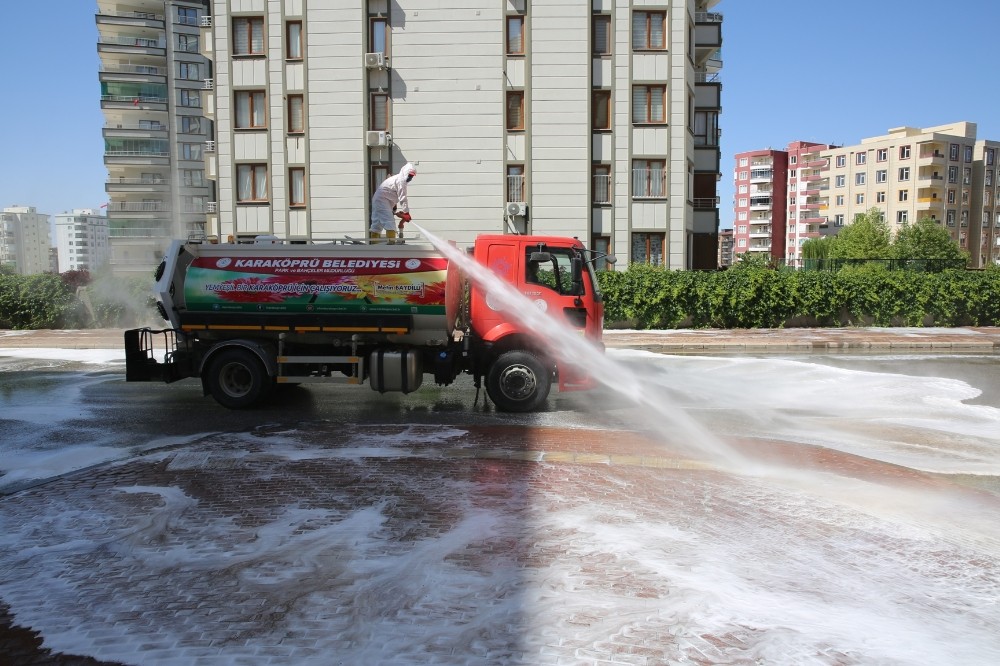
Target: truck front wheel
point(518, 382)
point(237, 379)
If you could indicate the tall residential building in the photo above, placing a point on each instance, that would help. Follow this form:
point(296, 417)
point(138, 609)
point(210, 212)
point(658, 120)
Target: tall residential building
point(24, 240)
point(760, 211)
point(725, 248)
point(589, 118)
point(943, 173)
point(82, 240)
point(153, 79)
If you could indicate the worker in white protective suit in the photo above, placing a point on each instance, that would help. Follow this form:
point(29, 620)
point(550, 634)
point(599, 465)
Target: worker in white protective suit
point(389, 202)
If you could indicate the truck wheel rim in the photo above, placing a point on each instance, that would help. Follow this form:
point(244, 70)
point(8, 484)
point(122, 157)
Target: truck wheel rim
point(517, 382)
point(236, 379)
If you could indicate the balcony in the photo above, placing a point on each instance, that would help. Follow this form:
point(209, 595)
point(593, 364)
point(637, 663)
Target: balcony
point(151, 46)
point(142, 102)
point(760, 203)
point(134, 19)
point(705, 203)
point(118, 71)
point(137, 232)
point(138, 206)
point(136, 157)
point(602, 190)
point(147, 130)
point(814, 163)
point(814, 177)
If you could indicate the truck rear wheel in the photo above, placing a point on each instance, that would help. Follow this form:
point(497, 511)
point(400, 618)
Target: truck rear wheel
point(237, 379)
point(518, 382)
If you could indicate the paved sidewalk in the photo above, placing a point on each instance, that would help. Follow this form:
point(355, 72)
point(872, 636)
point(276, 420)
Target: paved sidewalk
point(983, 338)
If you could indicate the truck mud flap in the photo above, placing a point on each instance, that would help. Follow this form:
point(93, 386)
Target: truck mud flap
point(140, 361)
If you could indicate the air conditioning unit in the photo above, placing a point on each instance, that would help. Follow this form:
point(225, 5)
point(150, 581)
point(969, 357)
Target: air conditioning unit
point(517, 209)
point(377, 138)
point(375, 61)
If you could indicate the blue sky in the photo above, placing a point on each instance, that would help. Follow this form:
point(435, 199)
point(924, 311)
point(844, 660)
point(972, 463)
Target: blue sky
point(815, 70)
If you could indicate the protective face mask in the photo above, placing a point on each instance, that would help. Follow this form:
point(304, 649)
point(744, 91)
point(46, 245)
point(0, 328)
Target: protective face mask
point(409, 178)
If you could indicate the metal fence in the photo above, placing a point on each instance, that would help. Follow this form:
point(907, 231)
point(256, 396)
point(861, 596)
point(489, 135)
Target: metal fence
point(921, 265)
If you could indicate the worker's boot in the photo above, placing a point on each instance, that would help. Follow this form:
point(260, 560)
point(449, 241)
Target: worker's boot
point(391, 235)
point(374, 237)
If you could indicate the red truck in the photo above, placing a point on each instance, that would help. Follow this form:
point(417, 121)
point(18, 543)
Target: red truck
point(245, 318)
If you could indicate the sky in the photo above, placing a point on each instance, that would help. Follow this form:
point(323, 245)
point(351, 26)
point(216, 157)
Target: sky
point(810, 70)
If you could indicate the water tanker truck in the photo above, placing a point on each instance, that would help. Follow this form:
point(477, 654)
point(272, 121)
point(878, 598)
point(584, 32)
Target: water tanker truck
point(247, 318)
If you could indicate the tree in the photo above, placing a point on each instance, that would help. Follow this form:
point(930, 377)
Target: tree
point(817, 248)
point(868, 237)
point(926, 240)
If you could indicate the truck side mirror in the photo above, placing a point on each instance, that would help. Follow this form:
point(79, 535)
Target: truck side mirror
point(540, 257)
point(576, 274)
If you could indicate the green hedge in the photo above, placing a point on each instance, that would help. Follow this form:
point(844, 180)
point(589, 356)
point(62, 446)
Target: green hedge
point(759, 297)
point(48, 300)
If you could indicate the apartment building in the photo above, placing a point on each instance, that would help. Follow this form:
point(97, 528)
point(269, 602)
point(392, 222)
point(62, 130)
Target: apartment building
point(725, 248)
point(153, 80)
point(944, 173)
point(24, 240)
point(589, 118)
point(759, 206)
point(82, 242)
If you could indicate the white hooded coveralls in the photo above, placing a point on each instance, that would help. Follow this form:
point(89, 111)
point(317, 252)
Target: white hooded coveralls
point(392, 192)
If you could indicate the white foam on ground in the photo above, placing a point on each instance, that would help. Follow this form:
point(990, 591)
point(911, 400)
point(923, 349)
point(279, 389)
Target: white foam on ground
point(92, 356)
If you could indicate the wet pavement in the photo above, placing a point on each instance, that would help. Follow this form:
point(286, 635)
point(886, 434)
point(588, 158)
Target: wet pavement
point(847, 516)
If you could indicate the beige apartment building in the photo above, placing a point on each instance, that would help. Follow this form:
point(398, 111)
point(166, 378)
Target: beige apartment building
point(588, 118)
point(944, 173)
point(24, 240)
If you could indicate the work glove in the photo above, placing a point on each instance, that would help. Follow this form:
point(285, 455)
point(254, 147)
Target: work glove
point(404, 217)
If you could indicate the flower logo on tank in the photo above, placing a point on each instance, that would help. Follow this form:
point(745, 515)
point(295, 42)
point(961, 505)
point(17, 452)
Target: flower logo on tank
point(223, 262)
point(413, 264)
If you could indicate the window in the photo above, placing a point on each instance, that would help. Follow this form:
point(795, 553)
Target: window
point(986, 218)
point(602, 109)
point(191, 98)
point(951, 196)
point(515, 110)
point(515, 182)
point(792, 173)
point(859, 178)
point(743, 161)
point(904, 152)
point(990, 156)
point(743, 242)
point(189, 71)
point(188, 43)
point(191, 151)
point(706, 129)
point(250, 109)
point(965, 197)
point(881, 176)
point(379, 37)
point(964, 217)
point(841, 160)
point(838, 220)
point(293, 40)
point(296, 119)
point(602, 35)
point(860, 158)
point(515, 35)
point(602, 184)
point(950, 218)
point(380, 111)
point(882, 154)
point(648, 31)
point(904, 195)
point(742, 215)
point(297, 187)
point(649, 179)
point(904, 173)
point(988, 179)
point(743, 189)
point(859, 199)
point(744, 175)
point(840, 200)
point(968, 153)
point(744, 201)
point(187, 16)
point(901, 217)
point(193, 177)
point(647, 248)
point(248, 36)
point(379, 173)
point(190, 125)
point(601, 246)
point(880, 197)
point(251, 183)
point(966, 176)
point(953, 152)
point(554, 273)
point(648, 104)
point(794, 159)
point(953, 174)
point(840, 181)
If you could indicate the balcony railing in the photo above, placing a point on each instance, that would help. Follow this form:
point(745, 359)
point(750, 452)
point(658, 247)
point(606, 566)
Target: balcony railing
point(704, 203)
point(136, 181)
point(145, 127)
point(135, 153)
point(133, 99)
point(137, 15)
point(707, 17)
point(132, 69)
point(515, 188)
point(138, 206)
point(707, 77)
point(602, 189)
point(136, 232)
point(649, 184)
point(188, 20)
point(131, 41)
